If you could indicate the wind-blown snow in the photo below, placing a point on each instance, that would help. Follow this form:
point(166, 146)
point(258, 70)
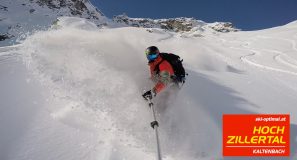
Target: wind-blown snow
point(85, 88)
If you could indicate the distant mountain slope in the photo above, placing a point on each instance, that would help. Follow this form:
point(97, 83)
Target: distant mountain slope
point(18, 17)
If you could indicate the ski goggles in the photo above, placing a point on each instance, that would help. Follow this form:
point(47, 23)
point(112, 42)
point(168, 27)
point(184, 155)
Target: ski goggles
point(151, 56)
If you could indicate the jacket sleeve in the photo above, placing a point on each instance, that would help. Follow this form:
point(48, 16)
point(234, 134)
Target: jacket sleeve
point(163, 79)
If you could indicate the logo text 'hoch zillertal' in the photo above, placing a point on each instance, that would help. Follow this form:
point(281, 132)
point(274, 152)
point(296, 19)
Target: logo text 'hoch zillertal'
point(274, 130)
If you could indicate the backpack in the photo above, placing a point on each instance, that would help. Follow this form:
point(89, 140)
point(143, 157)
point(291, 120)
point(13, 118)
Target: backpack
point(176, 64)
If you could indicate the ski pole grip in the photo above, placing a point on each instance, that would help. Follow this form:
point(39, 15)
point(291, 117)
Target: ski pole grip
point(151, 104)
point(154, 123)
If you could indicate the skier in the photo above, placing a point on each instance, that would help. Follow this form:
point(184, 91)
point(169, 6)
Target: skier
point(163, 70)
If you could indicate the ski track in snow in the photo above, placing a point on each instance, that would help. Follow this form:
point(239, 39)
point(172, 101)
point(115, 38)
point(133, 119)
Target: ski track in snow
point(246, 60)
point(291, 62)
point(277, 57)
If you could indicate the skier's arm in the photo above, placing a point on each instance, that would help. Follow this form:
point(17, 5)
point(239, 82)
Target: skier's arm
point(163, 81)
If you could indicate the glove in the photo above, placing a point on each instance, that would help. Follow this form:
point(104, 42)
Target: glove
point(149, 95)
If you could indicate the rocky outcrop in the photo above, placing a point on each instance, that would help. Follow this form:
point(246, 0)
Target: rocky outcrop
point(175, 24)
point(172, 24)
point(3, 37)
point(223, 27)
point(3, 8)
point(80, 8)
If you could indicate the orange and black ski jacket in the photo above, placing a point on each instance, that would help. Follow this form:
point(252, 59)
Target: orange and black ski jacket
point(162, 74)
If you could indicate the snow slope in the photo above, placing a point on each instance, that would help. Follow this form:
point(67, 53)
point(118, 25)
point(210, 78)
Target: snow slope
point(74, 92)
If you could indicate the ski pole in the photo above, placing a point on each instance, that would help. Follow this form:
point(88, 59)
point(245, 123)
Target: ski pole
point(155, 125)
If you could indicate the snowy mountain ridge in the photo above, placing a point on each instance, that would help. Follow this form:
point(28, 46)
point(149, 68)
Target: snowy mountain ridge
point(19, 17)
point(79, 8)
point(181, 24)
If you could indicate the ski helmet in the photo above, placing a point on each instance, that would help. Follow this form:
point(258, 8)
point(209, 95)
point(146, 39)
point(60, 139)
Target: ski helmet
point(152, 53)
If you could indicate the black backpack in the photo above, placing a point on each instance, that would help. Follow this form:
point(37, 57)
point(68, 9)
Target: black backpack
point(176, 64)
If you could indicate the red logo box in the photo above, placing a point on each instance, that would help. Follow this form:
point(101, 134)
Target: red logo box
point(256, 135)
